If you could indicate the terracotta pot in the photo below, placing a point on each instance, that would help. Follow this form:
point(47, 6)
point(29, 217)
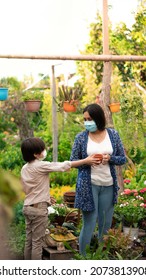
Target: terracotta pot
point(70, 106)
point(59, 220)
point(115, 107)
point(99, 157)
point(32, 105)
point(69, 196)
point(72, 217)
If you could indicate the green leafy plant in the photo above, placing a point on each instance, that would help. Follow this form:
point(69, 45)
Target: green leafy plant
point(66, 93)
point(132, 113)
point(119, 245)
point(57, 210)
point(32, 95)
point(101, 253)
point(70, 94)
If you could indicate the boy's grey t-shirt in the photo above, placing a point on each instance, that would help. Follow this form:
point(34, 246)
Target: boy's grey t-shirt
point(35, 179)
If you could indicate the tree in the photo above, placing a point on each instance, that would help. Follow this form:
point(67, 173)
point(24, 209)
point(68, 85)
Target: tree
point(121, 41)
point(13, 111)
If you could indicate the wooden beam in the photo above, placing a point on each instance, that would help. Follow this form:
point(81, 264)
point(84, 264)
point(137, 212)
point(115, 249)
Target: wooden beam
point(54, 118)
point(84, 57)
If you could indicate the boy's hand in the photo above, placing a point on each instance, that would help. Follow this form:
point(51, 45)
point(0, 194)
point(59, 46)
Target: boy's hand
point(93, 160)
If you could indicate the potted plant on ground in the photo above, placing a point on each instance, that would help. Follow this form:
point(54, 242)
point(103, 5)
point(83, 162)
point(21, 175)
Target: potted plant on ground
point(57, 213)
point(131, 211)
point(115, 246)
point(119, 245)
point(32, 100)
point(68, 98)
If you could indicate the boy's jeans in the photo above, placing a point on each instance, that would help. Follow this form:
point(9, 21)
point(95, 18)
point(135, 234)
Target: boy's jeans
point(103, 213)
point(36, 220)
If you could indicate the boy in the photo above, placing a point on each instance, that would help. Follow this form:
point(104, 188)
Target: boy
point(35, 181)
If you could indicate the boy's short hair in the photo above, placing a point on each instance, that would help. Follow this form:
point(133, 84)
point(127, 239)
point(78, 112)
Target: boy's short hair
point(31, 146)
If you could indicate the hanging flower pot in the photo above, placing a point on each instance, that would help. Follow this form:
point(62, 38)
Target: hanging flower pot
point(32, 105)
point(70, 106)
point(97, 99)
point(115, 107)
point(32, 100)
point(3, 94)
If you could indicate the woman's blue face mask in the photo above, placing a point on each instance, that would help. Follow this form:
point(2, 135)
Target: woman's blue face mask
point(90, 126)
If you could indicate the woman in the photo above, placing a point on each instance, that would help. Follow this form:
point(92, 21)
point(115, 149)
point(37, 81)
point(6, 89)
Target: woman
point(97, 188)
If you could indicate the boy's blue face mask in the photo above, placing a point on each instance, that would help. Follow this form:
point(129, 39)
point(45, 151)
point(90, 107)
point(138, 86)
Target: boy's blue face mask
point(90, 126)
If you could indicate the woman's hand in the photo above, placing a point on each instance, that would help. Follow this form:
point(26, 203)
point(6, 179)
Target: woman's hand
point(105, 159)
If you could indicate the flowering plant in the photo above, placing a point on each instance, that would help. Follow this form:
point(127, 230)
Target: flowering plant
point(143, 194)
point(131, 208)
point(58, 209)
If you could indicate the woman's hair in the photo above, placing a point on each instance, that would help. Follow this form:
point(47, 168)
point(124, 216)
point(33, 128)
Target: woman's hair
point(97, 114)
point(31, 146)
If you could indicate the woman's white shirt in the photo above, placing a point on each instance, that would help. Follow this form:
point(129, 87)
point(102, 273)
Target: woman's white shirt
point(100, 174)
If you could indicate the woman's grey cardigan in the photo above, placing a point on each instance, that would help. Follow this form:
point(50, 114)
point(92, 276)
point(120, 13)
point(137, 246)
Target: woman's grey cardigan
point(84, 197)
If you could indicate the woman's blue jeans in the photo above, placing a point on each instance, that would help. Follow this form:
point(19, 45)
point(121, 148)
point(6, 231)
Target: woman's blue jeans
point(103, 213)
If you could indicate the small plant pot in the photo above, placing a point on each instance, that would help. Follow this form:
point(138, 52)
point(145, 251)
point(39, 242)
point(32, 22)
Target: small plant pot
point(115, 107)
point(70, 106)
point(32, 105)
point(69, 196)
point(99, 157)
point(59, 220)
point(3, 94)
point(132, 232)
point(72, 217)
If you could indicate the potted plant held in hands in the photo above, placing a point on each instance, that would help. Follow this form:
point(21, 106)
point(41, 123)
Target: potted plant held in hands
point(32, 100)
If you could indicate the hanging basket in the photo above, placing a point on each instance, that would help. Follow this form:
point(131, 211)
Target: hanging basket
point(70, 106)
point(32, 105)
point(3, 94)
point(115, 107)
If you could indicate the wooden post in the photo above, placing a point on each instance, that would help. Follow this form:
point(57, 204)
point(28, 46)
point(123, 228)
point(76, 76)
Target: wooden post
point(105, 93)
point(107, 68)
point(105, 28)
point(54, 118)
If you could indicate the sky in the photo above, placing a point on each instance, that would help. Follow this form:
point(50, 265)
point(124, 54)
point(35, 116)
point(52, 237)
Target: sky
point(46, 27)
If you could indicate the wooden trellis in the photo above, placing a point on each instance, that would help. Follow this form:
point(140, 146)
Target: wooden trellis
point(82, 57)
